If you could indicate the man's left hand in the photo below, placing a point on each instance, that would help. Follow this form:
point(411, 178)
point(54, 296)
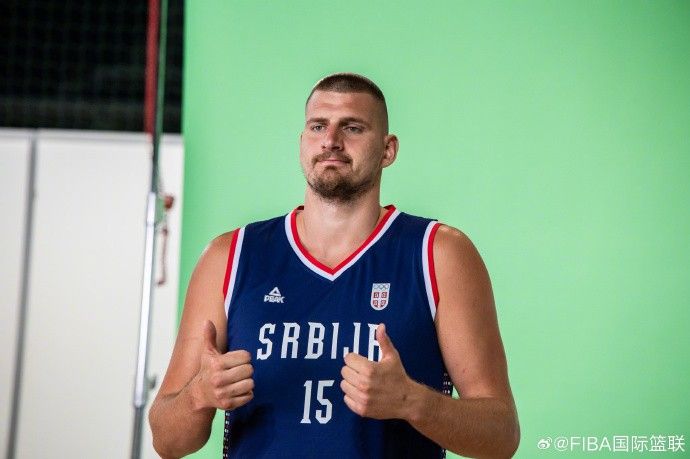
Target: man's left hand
point(378, 390)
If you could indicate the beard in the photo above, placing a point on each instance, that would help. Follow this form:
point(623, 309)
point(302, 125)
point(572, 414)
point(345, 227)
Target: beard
point(333, 185)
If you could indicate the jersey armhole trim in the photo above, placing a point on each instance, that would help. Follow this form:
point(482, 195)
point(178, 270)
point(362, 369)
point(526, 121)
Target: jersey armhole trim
point(231, 268)
point(428, 266)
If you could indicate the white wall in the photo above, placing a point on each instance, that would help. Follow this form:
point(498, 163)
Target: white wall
point(85, 282)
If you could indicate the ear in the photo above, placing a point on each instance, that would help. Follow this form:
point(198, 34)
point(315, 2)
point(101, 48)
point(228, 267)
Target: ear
point(390, 151)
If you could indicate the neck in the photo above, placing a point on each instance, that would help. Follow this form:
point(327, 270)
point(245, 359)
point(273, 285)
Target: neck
point(330, 230)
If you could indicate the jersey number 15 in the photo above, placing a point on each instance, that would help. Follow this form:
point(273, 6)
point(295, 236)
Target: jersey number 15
point(322, 415)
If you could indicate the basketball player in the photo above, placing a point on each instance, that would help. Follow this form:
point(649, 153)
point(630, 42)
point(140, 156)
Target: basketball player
point(336, 331)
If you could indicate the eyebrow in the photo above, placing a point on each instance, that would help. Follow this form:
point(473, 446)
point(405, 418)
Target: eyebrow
point(346, 120)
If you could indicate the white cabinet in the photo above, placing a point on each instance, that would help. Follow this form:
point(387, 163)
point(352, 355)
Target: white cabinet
point(85, 280)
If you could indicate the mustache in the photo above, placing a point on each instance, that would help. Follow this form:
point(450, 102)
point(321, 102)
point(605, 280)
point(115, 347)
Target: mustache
point(332, 155)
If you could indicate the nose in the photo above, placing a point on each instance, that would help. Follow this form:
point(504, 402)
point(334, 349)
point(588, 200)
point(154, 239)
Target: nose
point(332, 140)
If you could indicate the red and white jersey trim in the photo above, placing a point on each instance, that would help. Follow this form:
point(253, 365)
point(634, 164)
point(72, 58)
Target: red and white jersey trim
point(323, 270)
point(231, 269)
point(428, 266)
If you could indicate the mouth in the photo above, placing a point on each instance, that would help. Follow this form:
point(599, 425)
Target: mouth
point(331, 160)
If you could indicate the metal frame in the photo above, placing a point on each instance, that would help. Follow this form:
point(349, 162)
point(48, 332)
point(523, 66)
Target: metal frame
point(23, 299)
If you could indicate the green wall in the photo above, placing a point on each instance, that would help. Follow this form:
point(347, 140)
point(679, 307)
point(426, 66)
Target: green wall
point(555, 134)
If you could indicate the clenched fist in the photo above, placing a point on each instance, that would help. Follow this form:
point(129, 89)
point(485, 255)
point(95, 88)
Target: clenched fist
point(224, 381)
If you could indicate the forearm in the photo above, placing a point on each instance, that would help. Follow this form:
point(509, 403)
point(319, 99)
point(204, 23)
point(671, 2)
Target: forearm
point(179, 425)
point(479, 428)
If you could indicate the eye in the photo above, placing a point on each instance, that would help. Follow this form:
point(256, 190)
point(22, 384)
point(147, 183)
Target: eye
point(354, 129)
point(316, 127)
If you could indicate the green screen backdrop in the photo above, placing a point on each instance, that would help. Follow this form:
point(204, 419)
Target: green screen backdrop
point(555, 134)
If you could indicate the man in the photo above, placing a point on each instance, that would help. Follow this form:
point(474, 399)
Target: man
point(332, 331)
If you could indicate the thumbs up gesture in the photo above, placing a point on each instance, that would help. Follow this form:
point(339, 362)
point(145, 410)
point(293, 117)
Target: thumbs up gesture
point(377, 390)
point(224, 381)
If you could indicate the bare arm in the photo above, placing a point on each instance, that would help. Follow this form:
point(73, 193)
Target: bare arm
point(200, 379)
point(483, 422)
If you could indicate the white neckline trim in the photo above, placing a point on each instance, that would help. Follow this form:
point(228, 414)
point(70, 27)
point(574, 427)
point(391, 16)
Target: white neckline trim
point(318, 270)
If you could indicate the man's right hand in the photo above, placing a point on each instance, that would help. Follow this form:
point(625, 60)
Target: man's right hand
point(225, 380)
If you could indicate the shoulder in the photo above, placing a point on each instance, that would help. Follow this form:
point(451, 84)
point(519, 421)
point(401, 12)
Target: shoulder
point(448, 236)
point(449, 243)
point(222, 243)
point(219, 246)
point(210, 269)
point(457, 261)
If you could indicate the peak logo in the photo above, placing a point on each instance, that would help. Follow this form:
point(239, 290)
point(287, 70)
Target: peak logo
point(274, 296)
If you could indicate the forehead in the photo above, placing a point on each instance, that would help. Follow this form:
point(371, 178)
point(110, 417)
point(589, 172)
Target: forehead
point(337, 104)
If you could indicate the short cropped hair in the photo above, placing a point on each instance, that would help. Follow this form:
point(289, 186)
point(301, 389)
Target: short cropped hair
point(351, 82)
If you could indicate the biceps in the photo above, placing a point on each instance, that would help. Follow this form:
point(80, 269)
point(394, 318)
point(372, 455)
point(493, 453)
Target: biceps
point(466, 322)
point(472, 350)
point(204, 301)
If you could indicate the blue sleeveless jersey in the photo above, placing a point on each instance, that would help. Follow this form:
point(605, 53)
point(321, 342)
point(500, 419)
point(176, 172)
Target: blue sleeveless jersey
point(298, 318)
